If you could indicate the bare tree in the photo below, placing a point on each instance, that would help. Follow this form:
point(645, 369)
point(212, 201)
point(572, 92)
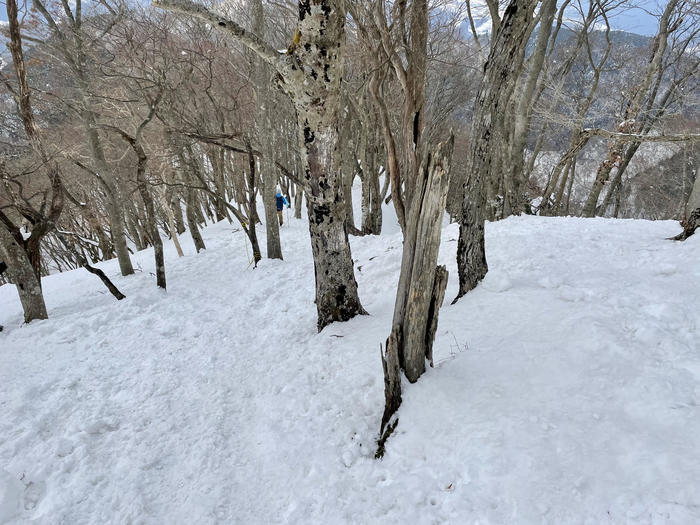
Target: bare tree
point(23, 255)
point(70, 38)
point(632, 120)
point(310, 73)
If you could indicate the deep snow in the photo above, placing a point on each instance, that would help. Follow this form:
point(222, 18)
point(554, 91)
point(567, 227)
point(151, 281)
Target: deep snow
point(566, 388)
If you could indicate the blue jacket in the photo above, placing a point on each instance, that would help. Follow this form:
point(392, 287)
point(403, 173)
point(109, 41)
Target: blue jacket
point(281, 201)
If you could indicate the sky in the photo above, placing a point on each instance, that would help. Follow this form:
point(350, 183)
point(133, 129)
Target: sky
point(641, 19)
point(636, 20)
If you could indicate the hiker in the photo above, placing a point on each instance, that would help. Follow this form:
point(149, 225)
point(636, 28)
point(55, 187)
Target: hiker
point(281, 201)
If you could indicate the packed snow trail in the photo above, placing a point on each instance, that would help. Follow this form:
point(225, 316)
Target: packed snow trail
point(566, 388)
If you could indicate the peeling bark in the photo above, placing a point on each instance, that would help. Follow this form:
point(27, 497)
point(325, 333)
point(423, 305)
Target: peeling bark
point(422, 283)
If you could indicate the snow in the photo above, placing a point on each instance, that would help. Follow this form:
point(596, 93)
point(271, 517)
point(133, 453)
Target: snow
point(566, 388)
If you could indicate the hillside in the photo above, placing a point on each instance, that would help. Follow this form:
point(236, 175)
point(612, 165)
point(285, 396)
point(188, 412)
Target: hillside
point(566, 388)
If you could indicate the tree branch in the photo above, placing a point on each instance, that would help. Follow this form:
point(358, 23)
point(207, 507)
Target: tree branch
point(248, 39)
point(640, 137)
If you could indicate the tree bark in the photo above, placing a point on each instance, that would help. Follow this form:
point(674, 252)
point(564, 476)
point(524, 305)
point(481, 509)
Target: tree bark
point(112, 204)
point(692, 212)
point(191, 214)
point(513, 201)
point(316, 97)
point(171, 222)
point(23, 256)
point(422, 283)
point(250, 227)
point(298, 199)
point(489, 128)
point(24, 276)
point(150, 212)
point(265, 106)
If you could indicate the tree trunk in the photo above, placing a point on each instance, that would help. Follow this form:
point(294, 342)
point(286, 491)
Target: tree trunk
point(422, 283)
point(150, 215)
point(176, 208)
point(272, 226)
point(572, 177)
point(602, 176)
point(250, 227)
point(392, 389)
point(114, 209)
point(514, 179)
point(265, 98)
point(320, 53)
point(576, 144)
point(336, 288)
point(23, 256)
point(363, 170)
point(371, 192)
point(348, 176)
point(131, 222)
point(376, 194)
point(191, 214)
point(298, 199)
point(24, 276)
point(560, 192)
point(171, 222)
point(217, 166)
point(692, 218)
point(489, 127)
point(617, 181)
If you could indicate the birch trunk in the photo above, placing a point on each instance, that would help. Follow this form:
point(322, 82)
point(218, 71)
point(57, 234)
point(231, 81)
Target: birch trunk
point(316, 97)
point(298, 199)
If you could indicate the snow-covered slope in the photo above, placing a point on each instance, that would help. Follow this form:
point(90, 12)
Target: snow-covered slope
point(566, 388)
